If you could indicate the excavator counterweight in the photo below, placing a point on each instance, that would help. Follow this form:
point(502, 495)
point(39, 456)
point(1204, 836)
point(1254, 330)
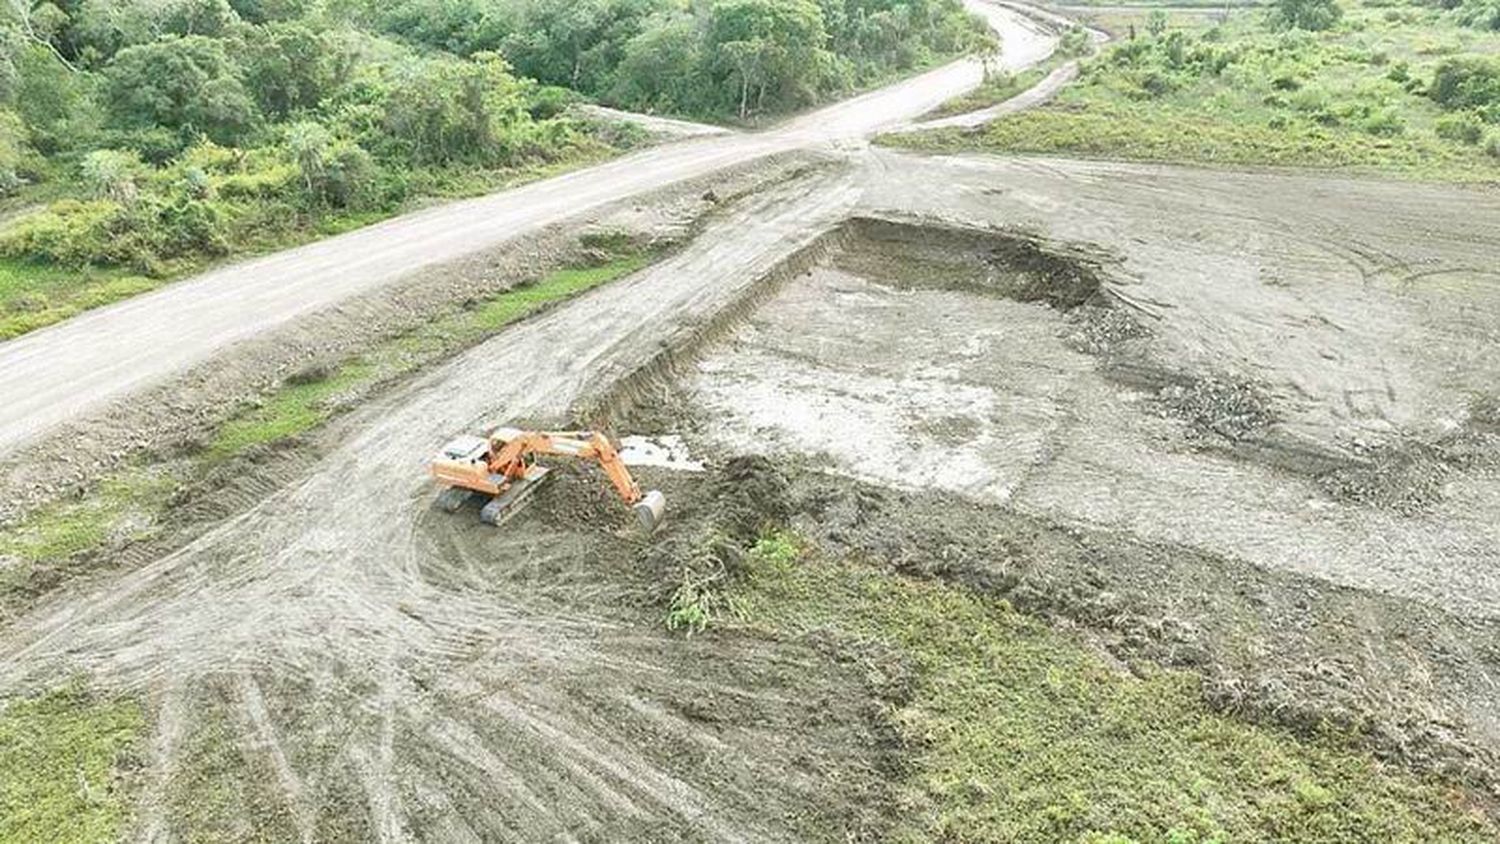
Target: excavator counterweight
point(503, 468)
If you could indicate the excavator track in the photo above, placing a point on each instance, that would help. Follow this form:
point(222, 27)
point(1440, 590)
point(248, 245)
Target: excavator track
point(506, 505)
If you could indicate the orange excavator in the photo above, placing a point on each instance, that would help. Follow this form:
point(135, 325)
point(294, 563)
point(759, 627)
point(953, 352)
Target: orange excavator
point(504, 468)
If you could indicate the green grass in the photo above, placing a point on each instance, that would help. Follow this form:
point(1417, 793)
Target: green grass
point(291, 410)
point(61, 757)
point(1184, 134)
point(1332, 100)
point(36, 295)
point(123, 505)
point(993, 91)
point(67, 527)
point(1019, 732)
point(524, 301)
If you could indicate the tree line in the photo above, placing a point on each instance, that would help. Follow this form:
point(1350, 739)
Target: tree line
point(171, 129)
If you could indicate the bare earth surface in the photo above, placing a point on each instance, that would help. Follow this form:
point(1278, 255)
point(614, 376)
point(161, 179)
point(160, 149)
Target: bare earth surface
point(1283, 382)
point(1363, 312)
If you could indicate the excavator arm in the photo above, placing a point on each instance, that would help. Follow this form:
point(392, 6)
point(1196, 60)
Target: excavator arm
point(512, 449)
point(506, 470)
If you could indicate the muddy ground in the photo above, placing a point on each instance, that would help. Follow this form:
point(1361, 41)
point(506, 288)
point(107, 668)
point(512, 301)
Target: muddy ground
point(1027, 422)
point(1197, 415)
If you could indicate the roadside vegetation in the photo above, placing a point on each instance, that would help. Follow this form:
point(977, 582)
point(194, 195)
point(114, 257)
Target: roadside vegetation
point(142, 141)
point(64, 760)
point(64, 538)
point(1022, 732)
point(1408, 88)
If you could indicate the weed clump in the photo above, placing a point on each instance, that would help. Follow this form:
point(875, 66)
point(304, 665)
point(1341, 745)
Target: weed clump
point(749, 496)
point(62, 757)
point(310, 374)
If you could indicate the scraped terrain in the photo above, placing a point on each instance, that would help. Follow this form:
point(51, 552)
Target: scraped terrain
point(1243, 424)
point(1139, 391)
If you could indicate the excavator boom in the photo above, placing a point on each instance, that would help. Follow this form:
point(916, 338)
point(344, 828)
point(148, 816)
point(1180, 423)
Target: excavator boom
point(503, 467)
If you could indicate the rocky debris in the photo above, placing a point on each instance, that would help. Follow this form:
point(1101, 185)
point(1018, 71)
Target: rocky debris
point(1229, 407)
point(1103, 329)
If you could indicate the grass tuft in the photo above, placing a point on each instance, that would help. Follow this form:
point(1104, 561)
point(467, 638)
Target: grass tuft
point(61, 757)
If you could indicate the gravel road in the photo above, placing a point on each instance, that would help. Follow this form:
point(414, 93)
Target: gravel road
point(60, 372)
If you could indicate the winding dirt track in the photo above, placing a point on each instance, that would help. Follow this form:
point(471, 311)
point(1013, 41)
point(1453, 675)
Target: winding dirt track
point(58, 373)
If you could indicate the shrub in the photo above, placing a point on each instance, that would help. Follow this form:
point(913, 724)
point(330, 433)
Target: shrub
point(70, 233)
point(1464, 127)
point(1075, 42)
point(548, 101)
point(349, 176)
point(1312, 15)
point(1466, 82)
point(12, 151)
point(112, 174)
point(1384, 124)
point(188, 84)
point(1480, 14)
point(1492, 146)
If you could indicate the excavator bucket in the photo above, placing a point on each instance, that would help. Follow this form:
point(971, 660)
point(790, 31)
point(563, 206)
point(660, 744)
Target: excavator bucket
point(650, 511)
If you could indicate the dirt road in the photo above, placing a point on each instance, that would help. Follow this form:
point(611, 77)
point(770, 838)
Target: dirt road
point(67, 370)
point(333, 587)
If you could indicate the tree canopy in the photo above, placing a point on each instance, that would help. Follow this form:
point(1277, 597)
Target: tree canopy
point(176, 128)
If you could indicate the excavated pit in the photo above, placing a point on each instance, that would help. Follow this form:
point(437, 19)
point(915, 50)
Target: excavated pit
point(979, 404)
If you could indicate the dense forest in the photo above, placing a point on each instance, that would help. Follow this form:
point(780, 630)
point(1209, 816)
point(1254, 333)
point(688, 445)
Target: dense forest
point(162, 132)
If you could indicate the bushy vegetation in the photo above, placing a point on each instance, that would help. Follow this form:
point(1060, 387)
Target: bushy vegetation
point(709, 59)
point(1399, 88)
point(142, 139)
point(1020, 732)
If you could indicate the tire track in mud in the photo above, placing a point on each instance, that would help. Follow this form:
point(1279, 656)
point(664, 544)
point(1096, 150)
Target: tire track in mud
point(346, 578)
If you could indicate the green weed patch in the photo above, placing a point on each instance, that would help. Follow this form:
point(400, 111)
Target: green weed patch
point(992, 92)
point(61, 757)
point(1019, 732)
point(35, 295)
point(1375, 93)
